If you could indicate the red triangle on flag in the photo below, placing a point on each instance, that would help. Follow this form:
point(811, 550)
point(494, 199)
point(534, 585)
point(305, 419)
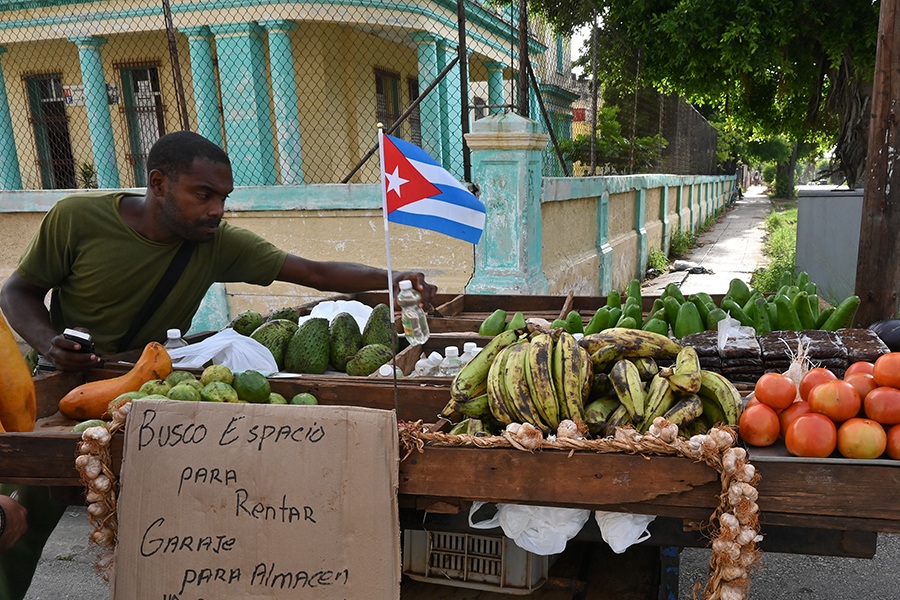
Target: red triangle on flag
point(403, 183)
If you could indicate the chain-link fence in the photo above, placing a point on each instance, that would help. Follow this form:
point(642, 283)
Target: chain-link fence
point(639, 130)
point(292, 91)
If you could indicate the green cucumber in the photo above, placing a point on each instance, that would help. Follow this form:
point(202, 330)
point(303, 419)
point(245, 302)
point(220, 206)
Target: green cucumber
point(761, 321)
point(673, 291)
point(804, 312)
point(614, 299)
point(702, 309)
point(843, 314)
point(688, 321)
point(824, 315)
point(739, 290)
point(598, 322)
point(656, 326)
point(734, 309)
point(786, 315)
point(712, 320)
point(671, 306)
point(627, 323)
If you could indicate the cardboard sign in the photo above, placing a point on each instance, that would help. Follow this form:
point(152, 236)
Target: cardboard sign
point(257, 501)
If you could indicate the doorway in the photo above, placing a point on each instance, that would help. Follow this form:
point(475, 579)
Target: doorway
point(144, 115)
point(53, 146)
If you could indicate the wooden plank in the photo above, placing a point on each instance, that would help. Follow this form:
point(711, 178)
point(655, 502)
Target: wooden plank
point(556, 478)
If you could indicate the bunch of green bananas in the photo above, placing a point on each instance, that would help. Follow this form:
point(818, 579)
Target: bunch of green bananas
point(523, 376)
point(636, 391)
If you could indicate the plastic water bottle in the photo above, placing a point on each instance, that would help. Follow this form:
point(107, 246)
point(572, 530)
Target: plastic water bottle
point(451, 364)
point(389, 371)
point(413, 318)
point(427, 366)
point(468, 352)
point(174, 339)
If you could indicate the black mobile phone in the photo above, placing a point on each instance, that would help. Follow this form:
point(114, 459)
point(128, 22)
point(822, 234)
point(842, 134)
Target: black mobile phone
point(87, 345)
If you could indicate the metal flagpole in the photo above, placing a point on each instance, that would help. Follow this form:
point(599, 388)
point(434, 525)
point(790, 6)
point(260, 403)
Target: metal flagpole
point(387, 246)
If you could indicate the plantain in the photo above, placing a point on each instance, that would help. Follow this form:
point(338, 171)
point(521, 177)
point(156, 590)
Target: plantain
point(540, 379)
point(600, 385)
point(568, 372)
point(632, 343)
point(478, 407)
point(712, 412)
point(460, 428)
point(471, 381)
point(619, 418)
point(476, 427)
point(495, 392)
point(684, 376)
point(516, 380)
point(451, 412)
point(660, 398)
point(719, 389)
point(685, 410)
point(597, 412)
point(587, 374)
point(647, 367)
point(629, 388)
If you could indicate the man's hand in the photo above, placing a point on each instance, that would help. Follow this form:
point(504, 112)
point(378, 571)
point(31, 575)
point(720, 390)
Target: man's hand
point(16, 522)
point(425, 289)
point(68, 355)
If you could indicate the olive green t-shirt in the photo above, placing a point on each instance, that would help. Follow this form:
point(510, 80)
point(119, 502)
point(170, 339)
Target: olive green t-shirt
point(101, 271)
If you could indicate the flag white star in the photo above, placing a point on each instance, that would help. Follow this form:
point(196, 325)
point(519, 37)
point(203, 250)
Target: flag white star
point(395, 181)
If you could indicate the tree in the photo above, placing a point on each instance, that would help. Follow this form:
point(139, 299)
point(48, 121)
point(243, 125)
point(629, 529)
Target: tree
point(798, 69)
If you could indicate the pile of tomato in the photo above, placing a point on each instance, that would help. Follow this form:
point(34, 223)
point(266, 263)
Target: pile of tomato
point(857, 416)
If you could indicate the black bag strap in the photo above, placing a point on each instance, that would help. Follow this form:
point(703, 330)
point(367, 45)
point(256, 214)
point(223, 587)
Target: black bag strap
point(163, 287)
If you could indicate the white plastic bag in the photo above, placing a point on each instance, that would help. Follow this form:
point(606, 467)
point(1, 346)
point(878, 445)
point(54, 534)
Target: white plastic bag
point(730, 328)
point(542, 530)
point(228, 347)
point(621, 530)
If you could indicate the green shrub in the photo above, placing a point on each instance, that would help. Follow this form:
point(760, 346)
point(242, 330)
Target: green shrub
point(658, 260)
point(780, 248)
point(681, 243)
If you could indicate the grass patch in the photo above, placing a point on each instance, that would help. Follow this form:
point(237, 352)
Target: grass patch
point(780, 247)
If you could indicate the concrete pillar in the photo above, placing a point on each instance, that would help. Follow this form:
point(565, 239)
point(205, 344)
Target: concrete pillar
point(284, 98)
point(203, 82)
point(506, 165)
point(664, 218)
point(99, 120)
point(451, 112)
point(604, 247)
point(245, 98)
point(10, 177)
point(640, 226)
point(430, 107)
point(496, 90)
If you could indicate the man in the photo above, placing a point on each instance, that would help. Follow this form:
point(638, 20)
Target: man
point(101, 255)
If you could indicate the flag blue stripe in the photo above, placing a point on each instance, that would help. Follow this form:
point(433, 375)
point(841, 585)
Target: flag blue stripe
point(451, 228)
point(459, 197)
point(413, 152)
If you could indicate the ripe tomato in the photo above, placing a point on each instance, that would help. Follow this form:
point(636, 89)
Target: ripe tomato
point(860, 366)
point(861, 438)
point(838, 400)
point(883, 405)
point(863, 382)
point(812, 434)
point(792, 412)
point(887, 369)
point(893, 442)
point(775, 390)
point(751, 401)
point(813, 378)
point(759, 425)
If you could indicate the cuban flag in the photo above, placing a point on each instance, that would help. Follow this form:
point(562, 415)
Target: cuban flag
point(419, 192)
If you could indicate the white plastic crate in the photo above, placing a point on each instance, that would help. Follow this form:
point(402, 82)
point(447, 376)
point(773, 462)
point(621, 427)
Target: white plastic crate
point(493, 563)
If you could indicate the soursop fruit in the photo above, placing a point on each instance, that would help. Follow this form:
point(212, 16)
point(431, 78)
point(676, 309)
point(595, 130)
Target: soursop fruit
point(368, 359)
point(275, 336)
point(246, 322)
point(346, 340)
point(308, 350)
point(378, 328)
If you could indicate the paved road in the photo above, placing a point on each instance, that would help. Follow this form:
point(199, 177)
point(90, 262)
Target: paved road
point(65, 572)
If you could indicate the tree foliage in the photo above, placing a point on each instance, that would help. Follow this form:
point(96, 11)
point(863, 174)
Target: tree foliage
point(799, 69)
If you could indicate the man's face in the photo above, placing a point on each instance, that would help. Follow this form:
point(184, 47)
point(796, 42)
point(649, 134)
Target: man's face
point(194, 203)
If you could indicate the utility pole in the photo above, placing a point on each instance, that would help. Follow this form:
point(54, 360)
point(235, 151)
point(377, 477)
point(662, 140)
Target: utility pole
point(878, 258)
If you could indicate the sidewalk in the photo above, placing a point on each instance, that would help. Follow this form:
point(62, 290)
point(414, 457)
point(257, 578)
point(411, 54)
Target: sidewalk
point(733, 247)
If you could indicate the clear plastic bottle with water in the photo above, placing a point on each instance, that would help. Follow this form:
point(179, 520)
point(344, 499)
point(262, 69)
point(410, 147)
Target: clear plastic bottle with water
point(468, 352)
point(427, 366)
point(174, 339)
point(451, 364)
point(413, 318)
